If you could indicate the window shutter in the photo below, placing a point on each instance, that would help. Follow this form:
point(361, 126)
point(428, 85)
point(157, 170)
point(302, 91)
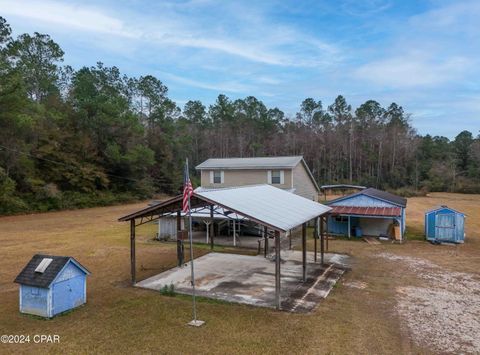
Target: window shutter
point(282, 177)
point(269, 176)
point(211, 177)
point(222, 177)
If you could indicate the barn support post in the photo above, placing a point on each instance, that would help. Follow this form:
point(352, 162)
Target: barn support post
point(304, 252)
point(132, 250)
point(212, 230)
point(326, 233)
point(315, 238)
point(265, 233)
point(277, 270)
point(349, 228)
point(322, 239)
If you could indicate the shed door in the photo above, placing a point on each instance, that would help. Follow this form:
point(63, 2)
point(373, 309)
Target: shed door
point(445, 226)
point(62, 296)
point(68, 294)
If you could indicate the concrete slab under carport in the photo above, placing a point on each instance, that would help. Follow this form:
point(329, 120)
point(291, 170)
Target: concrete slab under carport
point(251, 279)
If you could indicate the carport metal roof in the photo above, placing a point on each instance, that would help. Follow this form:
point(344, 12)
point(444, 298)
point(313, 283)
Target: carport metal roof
point(263, 204)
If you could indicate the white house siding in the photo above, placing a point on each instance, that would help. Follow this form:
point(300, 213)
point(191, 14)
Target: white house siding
point(242, 177)
point(302, 183)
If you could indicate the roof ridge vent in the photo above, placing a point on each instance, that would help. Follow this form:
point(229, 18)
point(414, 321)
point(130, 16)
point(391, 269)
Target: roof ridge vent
point(43, 265)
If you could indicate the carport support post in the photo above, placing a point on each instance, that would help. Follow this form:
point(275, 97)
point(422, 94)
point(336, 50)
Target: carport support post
point(212, 230)
point(315, 237)
point(180, 247)
point(322, 238)
point(277, 269)
point(179, 223)
point(304, 251)
point(234, 233)
point(132, 250)
point(265, 235)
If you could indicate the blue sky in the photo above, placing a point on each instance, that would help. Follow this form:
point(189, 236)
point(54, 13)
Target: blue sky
point(424, 55)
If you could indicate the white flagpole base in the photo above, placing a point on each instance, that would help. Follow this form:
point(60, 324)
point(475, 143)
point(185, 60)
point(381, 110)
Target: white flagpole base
point(196, 323)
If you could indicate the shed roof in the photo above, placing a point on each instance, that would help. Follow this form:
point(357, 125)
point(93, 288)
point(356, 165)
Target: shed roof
point(250, 163)
point(263, 204)
point(29, 277)
point(378, 194)
point(443, 207)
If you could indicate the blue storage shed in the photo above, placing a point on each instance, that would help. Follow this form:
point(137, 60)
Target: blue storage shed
point(444, 224)
point(50, 285)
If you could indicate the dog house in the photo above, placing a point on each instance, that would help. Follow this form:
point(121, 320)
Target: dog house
point(50, 285)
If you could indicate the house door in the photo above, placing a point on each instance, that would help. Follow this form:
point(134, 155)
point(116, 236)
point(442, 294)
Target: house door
point(445, 226)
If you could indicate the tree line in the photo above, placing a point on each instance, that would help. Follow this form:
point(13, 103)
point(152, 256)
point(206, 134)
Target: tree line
point(93, 136)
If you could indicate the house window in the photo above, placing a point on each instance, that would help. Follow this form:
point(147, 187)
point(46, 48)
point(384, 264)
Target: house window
point(217, 177)
point(341, 219)
point(276, 177)
point(35, 291)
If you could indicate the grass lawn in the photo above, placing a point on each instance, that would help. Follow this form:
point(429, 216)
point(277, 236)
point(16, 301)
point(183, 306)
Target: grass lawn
point(359, 316)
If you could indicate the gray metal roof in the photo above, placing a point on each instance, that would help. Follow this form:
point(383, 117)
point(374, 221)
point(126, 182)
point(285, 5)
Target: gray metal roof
point(29, 277)
point(263, 204)
point(342, 186)
point(267, 204)
point(250, 163)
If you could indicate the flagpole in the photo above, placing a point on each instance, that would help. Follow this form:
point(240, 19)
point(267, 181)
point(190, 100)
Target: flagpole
point(194, 322)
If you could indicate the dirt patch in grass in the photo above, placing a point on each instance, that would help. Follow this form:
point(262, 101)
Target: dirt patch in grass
point(444, 313)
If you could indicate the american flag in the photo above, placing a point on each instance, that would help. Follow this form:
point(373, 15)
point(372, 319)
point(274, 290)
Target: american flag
point(187, 190)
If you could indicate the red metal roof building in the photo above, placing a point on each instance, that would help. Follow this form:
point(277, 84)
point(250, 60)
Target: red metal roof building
point(369, 212)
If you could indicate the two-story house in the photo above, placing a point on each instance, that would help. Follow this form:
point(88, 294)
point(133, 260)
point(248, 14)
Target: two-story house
point(290, 173)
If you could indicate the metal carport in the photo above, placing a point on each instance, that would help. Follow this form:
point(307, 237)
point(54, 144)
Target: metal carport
point(270, 207)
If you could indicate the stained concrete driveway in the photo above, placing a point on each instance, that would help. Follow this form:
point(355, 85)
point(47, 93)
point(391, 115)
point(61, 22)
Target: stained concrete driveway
point(251, 279)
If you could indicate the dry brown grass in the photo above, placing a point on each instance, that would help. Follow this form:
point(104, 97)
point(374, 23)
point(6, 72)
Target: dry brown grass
point(119, 318)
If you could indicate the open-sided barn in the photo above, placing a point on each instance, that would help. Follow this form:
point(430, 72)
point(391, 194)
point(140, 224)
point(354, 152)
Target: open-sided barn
point(369, 212)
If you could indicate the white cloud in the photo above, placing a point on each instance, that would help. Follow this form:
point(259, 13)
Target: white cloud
point(227, 87)
point(69, 16)
point(459, 16)
point(412, 70)
point(365, 7)
point(255, 40)
point(430, 50)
